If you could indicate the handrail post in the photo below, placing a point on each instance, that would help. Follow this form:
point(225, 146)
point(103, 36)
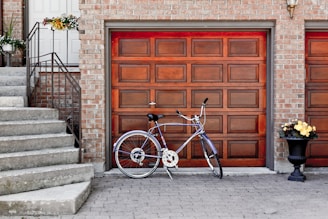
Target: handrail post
point(52, 80)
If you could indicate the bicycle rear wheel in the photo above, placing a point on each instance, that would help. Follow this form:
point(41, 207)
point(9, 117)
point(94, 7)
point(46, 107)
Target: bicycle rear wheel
point(212, 158)
point(137, 154)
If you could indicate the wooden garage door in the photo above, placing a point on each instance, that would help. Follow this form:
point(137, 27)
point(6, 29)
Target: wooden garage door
point(177, 70)
point(316, 98)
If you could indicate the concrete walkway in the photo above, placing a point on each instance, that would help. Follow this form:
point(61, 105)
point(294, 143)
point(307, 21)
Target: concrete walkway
point(257, 193)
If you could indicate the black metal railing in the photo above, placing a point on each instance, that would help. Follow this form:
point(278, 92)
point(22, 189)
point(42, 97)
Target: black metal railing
point(50, 84)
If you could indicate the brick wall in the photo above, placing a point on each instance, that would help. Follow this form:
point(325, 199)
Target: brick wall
point(288, 60)
point(14, 8)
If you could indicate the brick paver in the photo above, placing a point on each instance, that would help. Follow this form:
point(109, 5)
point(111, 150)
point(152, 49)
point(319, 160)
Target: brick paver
point(204, 196)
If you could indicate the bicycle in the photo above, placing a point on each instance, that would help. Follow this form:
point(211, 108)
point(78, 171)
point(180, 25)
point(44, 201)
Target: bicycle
point(138, 153)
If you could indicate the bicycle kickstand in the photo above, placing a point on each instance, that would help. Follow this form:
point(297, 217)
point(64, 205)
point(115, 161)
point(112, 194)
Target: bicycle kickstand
point(168, 172)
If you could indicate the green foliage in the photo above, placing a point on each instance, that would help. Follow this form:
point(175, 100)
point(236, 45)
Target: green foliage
point(8, 37)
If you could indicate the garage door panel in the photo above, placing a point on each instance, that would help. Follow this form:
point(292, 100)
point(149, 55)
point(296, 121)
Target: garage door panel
point(243, 73)
point(215, 97)
point(134, 98)
point(317, 99)
point(127, 123)
point(170, 73)
point(171, 98)
point(170, 47)
point(133, 73)
point(206, 73)
point(243, 124)
point(318, 47)
point(317, 73)
point(243, 149)
point(134, 47)
point(243, 98)
point(243, 47)
point(207, 47)
point(214, 124)
point(317, 149)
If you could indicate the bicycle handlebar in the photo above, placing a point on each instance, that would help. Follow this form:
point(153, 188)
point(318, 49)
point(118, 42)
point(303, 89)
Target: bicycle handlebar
point(206, 99)
point(201, 111)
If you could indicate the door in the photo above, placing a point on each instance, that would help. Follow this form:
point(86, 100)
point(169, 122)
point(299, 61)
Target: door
point(160, 72)
point(316, 98)
point(65, 43)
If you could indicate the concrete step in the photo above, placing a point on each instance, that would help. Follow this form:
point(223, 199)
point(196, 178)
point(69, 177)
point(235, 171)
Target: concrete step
point(59, 200)
point(13, 91)
point(12, 80)
point(13, 101)
point(10, 144)
point(31, 127)
point(13, 71)
point(28, 113)
point(16, 181)
point(39, 158)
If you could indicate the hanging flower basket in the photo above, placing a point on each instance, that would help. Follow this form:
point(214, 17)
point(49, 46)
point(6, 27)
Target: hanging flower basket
point(63, 22)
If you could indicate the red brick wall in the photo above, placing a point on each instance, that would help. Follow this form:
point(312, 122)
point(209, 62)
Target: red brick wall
point(42, 92)
point(288, 49)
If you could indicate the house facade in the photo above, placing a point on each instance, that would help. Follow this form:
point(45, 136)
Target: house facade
point(258, 66)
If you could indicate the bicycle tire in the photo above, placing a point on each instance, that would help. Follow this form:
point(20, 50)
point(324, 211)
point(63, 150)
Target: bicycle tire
point(212, 158)
point(133, 159)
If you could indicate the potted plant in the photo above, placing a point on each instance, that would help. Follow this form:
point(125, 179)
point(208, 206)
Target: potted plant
point(297, 134)
point(8, 43)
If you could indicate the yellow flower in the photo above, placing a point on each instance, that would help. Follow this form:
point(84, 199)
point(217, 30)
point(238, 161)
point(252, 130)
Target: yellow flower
point(305, 132)
point(298, 126)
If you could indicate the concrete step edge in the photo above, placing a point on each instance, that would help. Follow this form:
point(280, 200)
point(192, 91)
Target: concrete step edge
point(60, 200)
point(13, 101)
point(31, 127)
point(28, 113)
point(45, 157)
point(10, 144)
point(13, 71)
point(13, 90)
point(16, 181)
point(38, 152)
point(24, 122)
point(12, 80)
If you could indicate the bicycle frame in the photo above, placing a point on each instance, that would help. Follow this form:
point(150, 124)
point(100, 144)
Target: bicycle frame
point(200, 132)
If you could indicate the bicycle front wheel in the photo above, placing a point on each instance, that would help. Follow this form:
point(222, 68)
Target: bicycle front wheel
point(137, 154)
point(212, 158)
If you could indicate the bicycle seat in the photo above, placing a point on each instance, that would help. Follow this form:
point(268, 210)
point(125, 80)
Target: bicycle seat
point(154, 117)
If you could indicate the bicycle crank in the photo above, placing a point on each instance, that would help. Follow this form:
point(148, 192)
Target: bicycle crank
point(170, 158)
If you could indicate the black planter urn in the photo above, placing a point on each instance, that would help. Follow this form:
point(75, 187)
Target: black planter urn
point(297, 149)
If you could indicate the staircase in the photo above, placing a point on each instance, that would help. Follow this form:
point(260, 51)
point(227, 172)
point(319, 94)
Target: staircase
point(40, 172)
